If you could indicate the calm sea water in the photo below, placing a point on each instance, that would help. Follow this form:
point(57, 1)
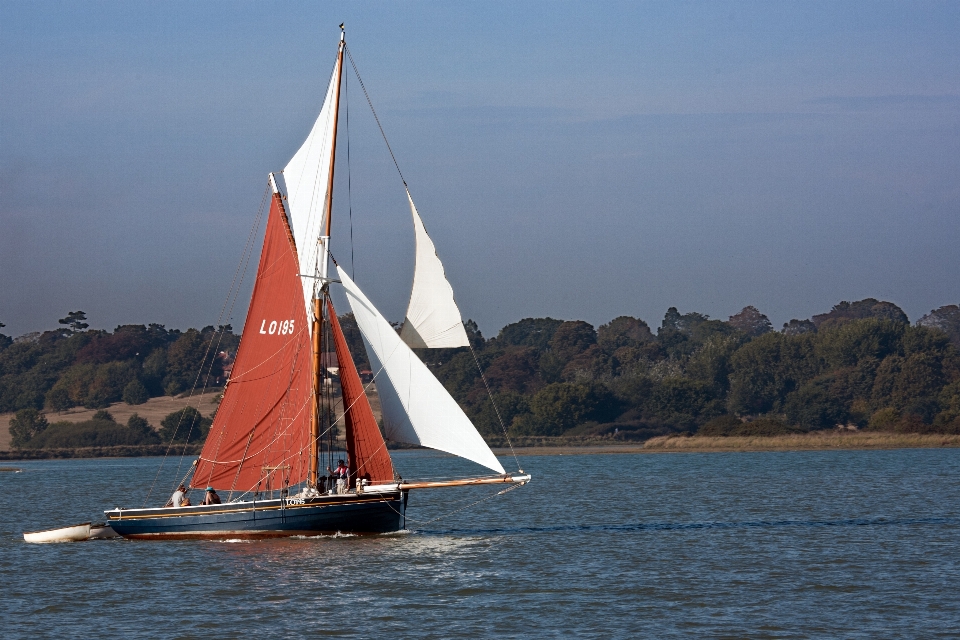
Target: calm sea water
point(779, 545)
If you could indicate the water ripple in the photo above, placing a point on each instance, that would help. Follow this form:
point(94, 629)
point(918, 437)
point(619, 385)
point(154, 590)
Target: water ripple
point(681, 526)
point(780, 545)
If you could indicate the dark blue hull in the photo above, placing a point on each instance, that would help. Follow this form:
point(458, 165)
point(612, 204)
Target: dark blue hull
point(350, 513)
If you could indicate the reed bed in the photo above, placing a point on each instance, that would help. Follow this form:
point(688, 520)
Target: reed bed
point(802, 441)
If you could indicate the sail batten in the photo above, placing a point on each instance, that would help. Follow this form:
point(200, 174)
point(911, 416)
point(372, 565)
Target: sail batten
point(416, 408)
point(433, 319)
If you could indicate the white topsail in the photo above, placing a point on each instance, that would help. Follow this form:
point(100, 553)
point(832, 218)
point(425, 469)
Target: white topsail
point(306, 177)
point(433, 318)
point(416, 407)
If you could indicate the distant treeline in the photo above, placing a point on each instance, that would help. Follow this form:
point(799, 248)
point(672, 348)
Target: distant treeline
point(57, 370)
point(860, 365)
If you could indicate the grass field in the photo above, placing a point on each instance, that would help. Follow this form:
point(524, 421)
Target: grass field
point(153, 410)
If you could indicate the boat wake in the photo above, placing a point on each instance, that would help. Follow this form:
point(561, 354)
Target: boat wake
point(320, 536)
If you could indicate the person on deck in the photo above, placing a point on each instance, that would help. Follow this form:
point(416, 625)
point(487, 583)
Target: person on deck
point(211, 497)
point(342, 474)
point(179, 498)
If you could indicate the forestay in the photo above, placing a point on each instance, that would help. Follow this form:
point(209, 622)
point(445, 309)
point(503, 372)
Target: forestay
point(304, 183)
point(433, 318)
point(416, 408)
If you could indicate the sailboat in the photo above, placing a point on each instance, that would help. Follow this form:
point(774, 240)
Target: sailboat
point(276, 425)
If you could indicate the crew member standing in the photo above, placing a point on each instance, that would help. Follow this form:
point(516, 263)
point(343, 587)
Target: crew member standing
point(342, 474)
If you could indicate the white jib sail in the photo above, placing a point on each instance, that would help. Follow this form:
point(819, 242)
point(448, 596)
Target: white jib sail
point(433, 318)
point(305, 178)
point(416, 407)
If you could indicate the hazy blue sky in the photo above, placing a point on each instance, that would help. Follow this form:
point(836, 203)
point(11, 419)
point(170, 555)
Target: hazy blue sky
point(569, 159)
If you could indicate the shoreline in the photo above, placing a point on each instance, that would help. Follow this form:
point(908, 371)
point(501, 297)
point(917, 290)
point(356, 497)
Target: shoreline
point(558, 446)
point(817, 441)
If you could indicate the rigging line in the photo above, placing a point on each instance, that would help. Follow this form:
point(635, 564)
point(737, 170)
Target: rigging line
point(234, 290)
point(496, 409)
point(232, 295)
point(206, 379)
point(346, 91)
point(397, 165)
point(375, 117)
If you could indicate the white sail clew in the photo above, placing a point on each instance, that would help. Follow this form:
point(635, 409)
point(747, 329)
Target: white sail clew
point(304, 184)
point(433, 318)
point(416, 407)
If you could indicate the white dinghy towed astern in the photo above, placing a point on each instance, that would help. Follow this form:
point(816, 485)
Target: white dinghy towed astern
point(73, 533)
point(102, 531)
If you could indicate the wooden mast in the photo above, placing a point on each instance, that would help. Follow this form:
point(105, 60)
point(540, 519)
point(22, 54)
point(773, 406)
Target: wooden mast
point(315, 398)
point(317, 306)
point(333, 148)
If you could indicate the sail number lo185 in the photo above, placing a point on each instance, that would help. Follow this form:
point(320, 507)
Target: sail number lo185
point(277, 327)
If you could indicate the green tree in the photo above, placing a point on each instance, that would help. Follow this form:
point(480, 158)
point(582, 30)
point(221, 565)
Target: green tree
point(185, 362)
point(561, 406)
point(683, 403)
point(572, 338)
point(902, 381)
point(623, 331)
point(461, 377)
point(529, 332)
point(108, 383)
point(185, 425)
point(847, 343)
point(814, 407)
point(509, 404)
point(142, 428)
point(5, 340)
point(711, 362)
point(351, 332)
point(551, 367)
point(796, 327)
point(515, 370)
point(474, 337)
point(135, 392)
point(751, 322)
point(58, 399)
point(154, 371)
point(867, 308)
point(75, 321)
point(680, 335)
point(92, 433)
point(945, 319)
point(25, 425)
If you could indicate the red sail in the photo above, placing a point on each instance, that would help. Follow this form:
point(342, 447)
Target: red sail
point(260, 436)
point(366, 449)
